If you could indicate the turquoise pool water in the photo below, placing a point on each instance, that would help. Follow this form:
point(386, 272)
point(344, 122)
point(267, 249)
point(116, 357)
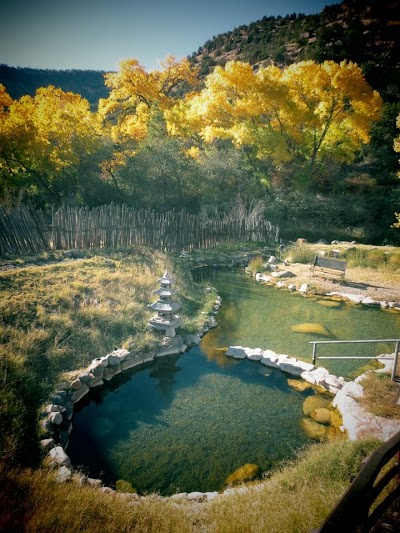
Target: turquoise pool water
point(186, 422)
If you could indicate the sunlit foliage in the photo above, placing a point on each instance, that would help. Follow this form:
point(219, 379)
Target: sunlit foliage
point(307, 112)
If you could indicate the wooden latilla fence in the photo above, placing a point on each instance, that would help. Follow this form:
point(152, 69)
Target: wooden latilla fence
point(22, 231)
point(119, 225)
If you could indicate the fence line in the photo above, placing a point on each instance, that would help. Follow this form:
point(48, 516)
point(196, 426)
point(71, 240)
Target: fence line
point(25, 231)
point(22, 231)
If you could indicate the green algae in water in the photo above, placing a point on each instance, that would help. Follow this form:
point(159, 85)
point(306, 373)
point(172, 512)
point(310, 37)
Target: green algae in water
point(261, 316)
point(186, 424)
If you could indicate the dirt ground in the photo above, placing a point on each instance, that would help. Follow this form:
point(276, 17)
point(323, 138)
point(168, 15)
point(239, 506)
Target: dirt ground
point(378, 285)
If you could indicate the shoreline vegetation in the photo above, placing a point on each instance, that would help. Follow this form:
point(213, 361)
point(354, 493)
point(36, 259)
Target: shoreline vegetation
point(59, 311)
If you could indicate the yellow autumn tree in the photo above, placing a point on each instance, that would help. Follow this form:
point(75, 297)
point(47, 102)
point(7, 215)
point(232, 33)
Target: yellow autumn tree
point(135, 97)
point(334, 110)
point(396, 146)
point(5, 100)
point(45, 139)
point(308, 113)
point(135, 93)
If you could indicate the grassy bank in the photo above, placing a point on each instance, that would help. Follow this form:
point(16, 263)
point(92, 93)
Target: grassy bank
point(382, 258)
point(57, 316)
point(295, 499)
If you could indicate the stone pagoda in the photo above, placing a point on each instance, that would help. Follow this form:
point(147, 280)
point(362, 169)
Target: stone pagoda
point(165, 320)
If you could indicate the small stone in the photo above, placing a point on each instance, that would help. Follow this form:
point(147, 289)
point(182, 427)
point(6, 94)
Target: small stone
point(304, 288)
point(57, 399)
point(85, 377)
point(56, 418)
point(369, 301)
point(113, 360)
point(211, 495)
point(299, 385)
point(196, 496)
point(179, 496)
point(283, 274)
point(314, 402)
point(76, 384)
point(93, 482)
point(57, 455)
point(321, 415)
point(63, 474)
point(107, 490)
point(47, 444)
point(246, 472)
point(314, 430)
point(52, 408)
point(80, 393)
point(237, 352)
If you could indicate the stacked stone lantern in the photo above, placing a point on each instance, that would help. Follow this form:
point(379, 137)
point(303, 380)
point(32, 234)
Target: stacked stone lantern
point(165, 320)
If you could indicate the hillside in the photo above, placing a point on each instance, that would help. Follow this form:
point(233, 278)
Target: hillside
point(21, 81)
point(364, 32)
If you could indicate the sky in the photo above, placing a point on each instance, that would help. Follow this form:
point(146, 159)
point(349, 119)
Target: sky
point(98, 34)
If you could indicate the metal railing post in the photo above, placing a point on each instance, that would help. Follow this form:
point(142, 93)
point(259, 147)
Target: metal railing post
point(396, 358)
point(314, 353)
point(376, 341)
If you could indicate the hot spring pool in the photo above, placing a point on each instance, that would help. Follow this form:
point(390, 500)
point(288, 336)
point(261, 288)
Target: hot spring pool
point(185, 423)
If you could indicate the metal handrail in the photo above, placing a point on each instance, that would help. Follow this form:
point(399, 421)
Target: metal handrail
point(396, 352)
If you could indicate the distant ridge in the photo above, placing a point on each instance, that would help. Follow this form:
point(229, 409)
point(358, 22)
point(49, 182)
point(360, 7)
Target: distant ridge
point(366, 32)
point(20, 81)
point(363, 31)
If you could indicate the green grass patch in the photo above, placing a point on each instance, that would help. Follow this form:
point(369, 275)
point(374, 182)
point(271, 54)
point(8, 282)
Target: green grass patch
point(299, 254)
point(256, 265)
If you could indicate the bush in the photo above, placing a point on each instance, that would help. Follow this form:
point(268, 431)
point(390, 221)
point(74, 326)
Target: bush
point(256, 265)
point(299, 254)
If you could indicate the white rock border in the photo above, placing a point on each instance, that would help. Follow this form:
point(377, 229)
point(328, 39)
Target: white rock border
point(357, 421)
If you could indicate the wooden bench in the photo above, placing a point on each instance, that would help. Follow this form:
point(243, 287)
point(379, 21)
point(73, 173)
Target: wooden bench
point(330, 266)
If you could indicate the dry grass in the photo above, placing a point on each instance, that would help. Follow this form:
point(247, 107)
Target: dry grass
point(381, 395)
point(57, 317)
point(295, 499)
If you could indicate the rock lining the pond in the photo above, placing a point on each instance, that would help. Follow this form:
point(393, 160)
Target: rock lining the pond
point(55, 424)
point(357, 422)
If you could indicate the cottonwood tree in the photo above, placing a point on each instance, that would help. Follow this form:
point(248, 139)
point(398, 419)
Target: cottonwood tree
point(45, 141)
point(136, 96)
point(307, 114)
